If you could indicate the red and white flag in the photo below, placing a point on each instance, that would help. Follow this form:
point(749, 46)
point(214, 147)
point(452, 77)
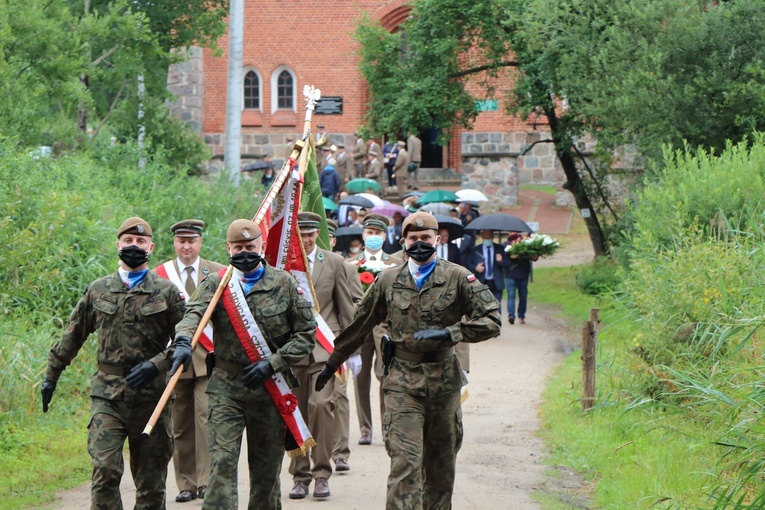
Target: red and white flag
point(284, 249)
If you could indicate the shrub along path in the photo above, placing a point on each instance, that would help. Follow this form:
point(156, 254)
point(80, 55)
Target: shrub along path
point(501, 461)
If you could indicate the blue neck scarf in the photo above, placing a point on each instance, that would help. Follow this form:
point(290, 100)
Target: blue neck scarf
point(248, 280)
point(420, 274)
point(135, 277)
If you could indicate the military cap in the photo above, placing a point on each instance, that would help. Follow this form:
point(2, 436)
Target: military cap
point(320, 126)
point(331, 227)
point(242, 230)
point(187, 228)
point(419, 221)
point(135, 226)
point(308, 222)
point(375, 220)
point(401, 143)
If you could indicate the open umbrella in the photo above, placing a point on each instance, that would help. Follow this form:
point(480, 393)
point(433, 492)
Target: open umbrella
point(413, 194)
point(389, 210)
point(360, 185)
point(372, 198)
point(258, 165)
point(453, 225)
point(437, 195)
point(471, 195)
point(357, 200)
point(329, 205)
point(499, 221)
point(344, 237)
point(438, 208)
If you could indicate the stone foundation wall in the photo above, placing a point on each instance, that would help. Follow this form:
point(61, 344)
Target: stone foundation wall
point(186, 81)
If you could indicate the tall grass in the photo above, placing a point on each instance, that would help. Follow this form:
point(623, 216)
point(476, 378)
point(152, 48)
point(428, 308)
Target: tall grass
point(58, 222)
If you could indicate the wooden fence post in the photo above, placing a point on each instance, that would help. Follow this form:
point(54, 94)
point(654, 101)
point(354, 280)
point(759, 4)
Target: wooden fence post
point(589, 343)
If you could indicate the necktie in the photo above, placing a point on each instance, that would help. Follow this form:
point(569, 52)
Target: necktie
point(489, 263)
point(190, 287)
point(372, 258)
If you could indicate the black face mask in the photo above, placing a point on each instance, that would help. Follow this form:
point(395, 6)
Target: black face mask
point(133, 256)
point(421, 251)
point(245, 261)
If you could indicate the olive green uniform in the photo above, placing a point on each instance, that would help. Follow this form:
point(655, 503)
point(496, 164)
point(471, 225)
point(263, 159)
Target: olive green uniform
point(133, 326)
point(286, 321)
point(423, 419)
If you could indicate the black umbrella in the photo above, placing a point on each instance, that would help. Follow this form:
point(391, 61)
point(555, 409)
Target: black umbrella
point(258, 165)
point(500, 222)
point(344, 237)
point(357, 200)
point(453, 225)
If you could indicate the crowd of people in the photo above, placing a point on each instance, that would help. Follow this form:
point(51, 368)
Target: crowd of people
point(145, 320)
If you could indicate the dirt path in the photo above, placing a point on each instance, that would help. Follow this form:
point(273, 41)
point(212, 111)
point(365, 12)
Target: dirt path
point(500, 464)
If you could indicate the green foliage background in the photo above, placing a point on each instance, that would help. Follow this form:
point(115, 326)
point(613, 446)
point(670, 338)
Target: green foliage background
point(58, 221)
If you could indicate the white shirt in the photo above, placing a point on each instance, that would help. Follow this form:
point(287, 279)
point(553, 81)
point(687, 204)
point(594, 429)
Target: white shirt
point(443, 251)
point(184, 274)
point(488, 257)
point(377, 255)
point(311, 258)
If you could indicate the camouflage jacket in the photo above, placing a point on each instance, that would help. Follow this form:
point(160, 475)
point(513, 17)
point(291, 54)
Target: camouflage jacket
point(452, 299)
point(284, 317)
point(132, 325)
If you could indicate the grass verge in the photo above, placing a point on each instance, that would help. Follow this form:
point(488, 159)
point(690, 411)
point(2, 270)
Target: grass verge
point(40, 455)
point(630, 451)
point(550, 190)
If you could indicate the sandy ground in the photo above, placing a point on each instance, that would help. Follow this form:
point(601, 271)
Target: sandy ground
point(500, 464)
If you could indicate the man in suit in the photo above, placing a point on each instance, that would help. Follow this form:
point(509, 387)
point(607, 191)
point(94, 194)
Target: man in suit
point(445, 249)
point(414, 148)
point(191, 457)
point(373, 235)
point(335, 295)
point(375, 170)
point(341, 451)
point(400, 168)
point(344, 164)
point(359, 154)
point(392, 242)
point(488, 261)
point(321, 138)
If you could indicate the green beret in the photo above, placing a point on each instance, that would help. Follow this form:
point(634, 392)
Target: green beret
point(136, 226)
point(375, 220)
point(188, 228)
point(242, 231)
point(419, 221)
point(308, 221)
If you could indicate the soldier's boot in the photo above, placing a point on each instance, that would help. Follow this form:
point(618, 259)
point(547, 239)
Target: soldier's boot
point(321, 488)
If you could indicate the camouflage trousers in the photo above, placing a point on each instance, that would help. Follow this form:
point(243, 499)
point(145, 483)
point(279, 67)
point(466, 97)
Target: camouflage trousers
point(111, 423)
point(227, 419)
point(422, 437)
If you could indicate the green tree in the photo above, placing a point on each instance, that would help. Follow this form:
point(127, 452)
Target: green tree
point(632, 75)
point(68, 65)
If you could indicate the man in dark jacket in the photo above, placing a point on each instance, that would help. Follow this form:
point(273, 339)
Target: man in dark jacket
point(330, 180)
point(517, 274)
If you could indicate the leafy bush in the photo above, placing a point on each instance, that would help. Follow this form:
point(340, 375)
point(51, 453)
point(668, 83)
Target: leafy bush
point(599, 277)
point(58, 221)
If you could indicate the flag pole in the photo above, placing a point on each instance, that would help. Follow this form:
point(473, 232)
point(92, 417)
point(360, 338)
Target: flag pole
point(311, 95)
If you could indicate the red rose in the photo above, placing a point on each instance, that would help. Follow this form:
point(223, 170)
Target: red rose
point(367, 278)
point(287, 403)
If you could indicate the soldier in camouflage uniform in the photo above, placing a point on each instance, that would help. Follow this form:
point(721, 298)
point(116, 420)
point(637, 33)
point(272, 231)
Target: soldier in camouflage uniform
point(134, 313)
point(430, 305)
point(238, 399)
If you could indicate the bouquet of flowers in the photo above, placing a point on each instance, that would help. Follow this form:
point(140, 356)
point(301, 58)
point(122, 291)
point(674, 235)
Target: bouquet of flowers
point(540, 245)
point(368, 271)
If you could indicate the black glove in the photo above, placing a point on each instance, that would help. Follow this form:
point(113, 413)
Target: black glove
point(325, 376)
point(255, 375)
point(48, 387)
point(437, 335)
point(210, 363)
point(182, 354)
point(141, 375)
